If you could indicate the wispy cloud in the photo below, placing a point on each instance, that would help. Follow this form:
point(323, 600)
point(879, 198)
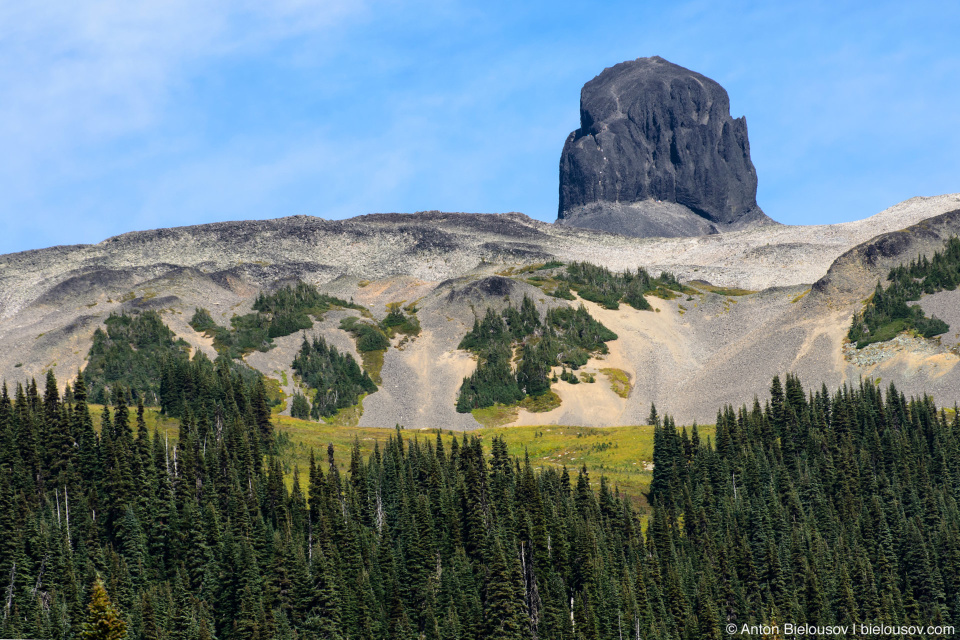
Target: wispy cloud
point(75, 73)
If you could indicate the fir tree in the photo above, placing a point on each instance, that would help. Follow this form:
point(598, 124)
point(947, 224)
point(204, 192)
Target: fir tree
point(103, 620)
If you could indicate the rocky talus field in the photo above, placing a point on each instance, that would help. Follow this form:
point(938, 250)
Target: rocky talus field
point(770, 299)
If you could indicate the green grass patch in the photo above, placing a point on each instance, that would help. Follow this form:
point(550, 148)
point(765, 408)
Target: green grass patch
point(165, 425)
point(276, 396)
point(622, 454)
point(348, 416)
point(497, 415)
point(372, 363)
point(884, 333)
point(619, 381)
point(542, 403)
point(664, 293)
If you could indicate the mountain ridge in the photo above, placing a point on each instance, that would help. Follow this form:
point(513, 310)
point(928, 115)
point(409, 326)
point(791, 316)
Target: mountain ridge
point(706, 351)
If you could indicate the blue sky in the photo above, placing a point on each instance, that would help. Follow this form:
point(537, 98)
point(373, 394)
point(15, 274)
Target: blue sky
point(118, 116)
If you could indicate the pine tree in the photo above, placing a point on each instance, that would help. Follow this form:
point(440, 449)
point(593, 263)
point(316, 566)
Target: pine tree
point(103, 620)
point(504, 604)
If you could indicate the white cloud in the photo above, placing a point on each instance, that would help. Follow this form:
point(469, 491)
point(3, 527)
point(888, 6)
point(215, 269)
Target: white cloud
point(76, 73)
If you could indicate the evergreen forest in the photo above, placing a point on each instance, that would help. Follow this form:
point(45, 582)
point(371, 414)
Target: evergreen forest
point(130, 353)
point(282, 313)
point(887, 312)
point(564, 337)
point(814, 507)
point(599, 284)
point(202, 387)
point(335, 379)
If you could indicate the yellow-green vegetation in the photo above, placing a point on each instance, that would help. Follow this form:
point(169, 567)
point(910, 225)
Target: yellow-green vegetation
point(396, 322)
point(702, 287)
point(799, 297)
point(165, 425)
point(496, 415)
point(412, 307)
point(542, 403)
point(623, 454)
point(530, 268)
point(372, 363)
point(551, 286)
point(275, 393)
point(619, 381)
point(348, 416)
point(372, 342)
point(664, 293)
point(499, 415)
point(303, 435)
point(373, 338)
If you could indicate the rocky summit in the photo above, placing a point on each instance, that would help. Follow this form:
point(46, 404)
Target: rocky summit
point(657, 154)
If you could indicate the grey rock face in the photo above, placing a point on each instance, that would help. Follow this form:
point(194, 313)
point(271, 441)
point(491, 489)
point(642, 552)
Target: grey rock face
point(652, 132)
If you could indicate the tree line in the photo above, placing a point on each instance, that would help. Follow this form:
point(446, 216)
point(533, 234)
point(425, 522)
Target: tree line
point(813, 507)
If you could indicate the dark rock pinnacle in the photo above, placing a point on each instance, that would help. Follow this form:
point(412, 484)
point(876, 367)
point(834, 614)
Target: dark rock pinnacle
point(657, 154)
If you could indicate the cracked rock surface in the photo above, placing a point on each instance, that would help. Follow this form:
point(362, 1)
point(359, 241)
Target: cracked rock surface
point(658, 154)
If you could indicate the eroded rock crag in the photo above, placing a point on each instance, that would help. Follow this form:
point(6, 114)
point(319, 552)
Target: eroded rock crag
point(657, 154)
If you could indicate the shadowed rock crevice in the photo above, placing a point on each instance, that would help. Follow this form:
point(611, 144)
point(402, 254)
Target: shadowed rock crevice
point(657, 154)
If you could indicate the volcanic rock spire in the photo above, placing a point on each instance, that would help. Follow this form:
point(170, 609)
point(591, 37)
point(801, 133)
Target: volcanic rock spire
point(657, 154)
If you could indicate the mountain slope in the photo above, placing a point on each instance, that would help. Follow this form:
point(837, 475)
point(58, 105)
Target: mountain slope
point(698, 351)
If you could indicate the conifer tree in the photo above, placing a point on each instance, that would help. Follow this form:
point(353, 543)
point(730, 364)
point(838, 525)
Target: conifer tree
point(103, 620)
